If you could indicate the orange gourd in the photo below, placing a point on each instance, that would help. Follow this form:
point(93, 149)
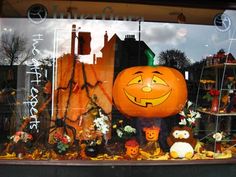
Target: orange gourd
point(146, 91)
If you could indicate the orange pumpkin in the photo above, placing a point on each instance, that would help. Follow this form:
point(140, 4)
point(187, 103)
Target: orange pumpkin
point(151, 133)
point(146, 91)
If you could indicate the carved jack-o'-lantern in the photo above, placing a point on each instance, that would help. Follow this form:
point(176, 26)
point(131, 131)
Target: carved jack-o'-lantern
point(146, 91)
point(132, 148)
point(151, 133)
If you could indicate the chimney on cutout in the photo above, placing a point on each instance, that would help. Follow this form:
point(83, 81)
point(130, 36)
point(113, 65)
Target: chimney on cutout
point(105, 38)
point(73, 35)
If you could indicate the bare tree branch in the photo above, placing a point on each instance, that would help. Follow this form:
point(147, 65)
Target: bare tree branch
point(174, 58)
point(13, 48)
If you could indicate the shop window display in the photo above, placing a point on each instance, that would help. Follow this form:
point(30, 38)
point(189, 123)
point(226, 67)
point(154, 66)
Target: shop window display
point(98, 89)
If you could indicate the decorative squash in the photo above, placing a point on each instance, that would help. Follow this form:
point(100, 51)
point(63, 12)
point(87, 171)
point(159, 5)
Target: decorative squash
point(146, 91)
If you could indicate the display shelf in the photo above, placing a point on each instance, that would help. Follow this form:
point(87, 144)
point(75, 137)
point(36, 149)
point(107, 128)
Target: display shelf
point(221, 65)
point(220, 120)
point(223, 89)
point(203, 168)
point(228, 89)
point(104, 163)
point(220, 71)
point(217, 114)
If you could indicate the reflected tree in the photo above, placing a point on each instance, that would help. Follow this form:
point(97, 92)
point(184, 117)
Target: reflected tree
point(174, 58)
point(13, 49)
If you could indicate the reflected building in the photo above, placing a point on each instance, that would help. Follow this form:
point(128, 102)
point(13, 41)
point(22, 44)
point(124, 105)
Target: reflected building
point(127, 53)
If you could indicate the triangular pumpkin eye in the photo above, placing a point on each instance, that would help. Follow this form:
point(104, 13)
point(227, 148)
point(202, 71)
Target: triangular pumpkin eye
point(157, 80)
point(136, 80)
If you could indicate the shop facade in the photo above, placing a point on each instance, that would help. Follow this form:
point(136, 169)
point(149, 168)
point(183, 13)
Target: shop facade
point(117, 88)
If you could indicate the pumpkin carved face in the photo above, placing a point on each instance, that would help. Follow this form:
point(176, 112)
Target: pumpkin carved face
point(132, 148)
point(146, 91)
point(152, 133)
point(132, 151)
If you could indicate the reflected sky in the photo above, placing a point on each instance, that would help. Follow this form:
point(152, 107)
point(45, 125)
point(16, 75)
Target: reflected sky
point(197, 41)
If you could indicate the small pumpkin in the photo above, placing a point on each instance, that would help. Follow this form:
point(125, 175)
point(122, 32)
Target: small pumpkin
point(132, 148)
point(146, 91)
point(151, 133)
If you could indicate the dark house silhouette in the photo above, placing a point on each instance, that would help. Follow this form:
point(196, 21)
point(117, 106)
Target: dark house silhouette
point(127, 53)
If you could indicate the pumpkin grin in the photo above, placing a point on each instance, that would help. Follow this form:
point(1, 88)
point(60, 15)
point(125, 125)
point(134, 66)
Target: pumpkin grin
point(150, 138)
point(145, 102)
point(133, 154)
